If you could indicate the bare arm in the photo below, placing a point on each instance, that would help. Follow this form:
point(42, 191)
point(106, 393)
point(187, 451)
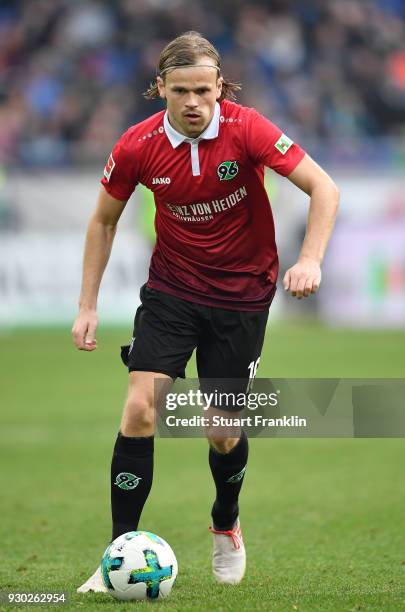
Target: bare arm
point(305, 276)
point(99, 239)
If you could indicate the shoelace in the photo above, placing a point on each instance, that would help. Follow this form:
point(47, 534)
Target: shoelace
point(234, 533)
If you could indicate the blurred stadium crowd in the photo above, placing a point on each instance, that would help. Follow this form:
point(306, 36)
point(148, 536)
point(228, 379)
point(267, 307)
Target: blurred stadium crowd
point(72, 72)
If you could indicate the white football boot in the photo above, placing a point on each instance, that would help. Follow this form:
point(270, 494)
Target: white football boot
point(94, 583)
point(229, 555)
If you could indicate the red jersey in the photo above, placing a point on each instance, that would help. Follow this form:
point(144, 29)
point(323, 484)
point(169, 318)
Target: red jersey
point(215, 242)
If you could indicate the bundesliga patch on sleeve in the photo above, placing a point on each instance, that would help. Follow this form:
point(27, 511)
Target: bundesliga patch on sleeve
point(283, 144)
point(109, 167)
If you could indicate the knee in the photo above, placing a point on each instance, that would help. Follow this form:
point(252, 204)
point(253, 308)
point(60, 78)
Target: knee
point(222, 445)
point(139, 416)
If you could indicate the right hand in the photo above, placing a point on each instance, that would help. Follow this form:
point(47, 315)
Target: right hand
point(84, 330)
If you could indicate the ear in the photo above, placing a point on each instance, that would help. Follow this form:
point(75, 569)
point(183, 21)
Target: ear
point(219, 87)
point(161, 87)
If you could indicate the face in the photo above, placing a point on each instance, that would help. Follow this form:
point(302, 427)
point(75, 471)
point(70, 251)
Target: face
point(191, 94)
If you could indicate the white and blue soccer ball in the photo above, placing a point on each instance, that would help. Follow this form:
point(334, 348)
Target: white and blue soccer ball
point(139, 565)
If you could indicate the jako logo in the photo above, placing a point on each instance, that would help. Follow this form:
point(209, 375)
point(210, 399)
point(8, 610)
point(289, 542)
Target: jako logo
point(161, 181)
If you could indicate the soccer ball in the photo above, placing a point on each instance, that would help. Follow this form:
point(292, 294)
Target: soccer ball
point(139, 565)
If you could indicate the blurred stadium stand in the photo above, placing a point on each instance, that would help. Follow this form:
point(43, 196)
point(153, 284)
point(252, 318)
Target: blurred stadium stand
point(71, 73)
point(330, 73)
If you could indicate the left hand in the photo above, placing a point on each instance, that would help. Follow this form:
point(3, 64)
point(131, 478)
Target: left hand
point(303, 278)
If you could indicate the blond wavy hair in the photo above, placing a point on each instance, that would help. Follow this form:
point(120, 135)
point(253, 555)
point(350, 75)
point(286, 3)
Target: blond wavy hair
point(186, 50)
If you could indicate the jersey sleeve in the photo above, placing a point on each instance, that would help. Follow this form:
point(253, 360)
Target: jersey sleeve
point(268, 145)
point(120, 172)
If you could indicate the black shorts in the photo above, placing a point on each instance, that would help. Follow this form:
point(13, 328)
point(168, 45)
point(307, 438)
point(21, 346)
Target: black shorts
point(167, 329)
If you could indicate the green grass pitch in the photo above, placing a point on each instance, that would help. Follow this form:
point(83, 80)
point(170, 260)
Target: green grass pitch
point(323, 520)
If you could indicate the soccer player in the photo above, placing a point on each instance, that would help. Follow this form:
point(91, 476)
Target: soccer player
point(212, 274)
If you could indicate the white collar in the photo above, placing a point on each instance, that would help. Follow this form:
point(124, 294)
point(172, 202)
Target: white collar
point(211, 131)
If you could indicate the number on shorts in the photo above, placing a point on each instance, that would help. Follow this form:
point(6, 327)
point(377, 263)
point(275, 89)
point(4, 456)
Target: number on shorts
point(252, 367)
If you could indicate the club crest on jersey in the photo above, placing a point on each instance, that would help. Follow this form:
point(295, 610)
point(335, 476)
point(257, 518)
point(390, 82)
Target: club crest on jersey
point(110, 165)
point(283, 144)
point(227, 170)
